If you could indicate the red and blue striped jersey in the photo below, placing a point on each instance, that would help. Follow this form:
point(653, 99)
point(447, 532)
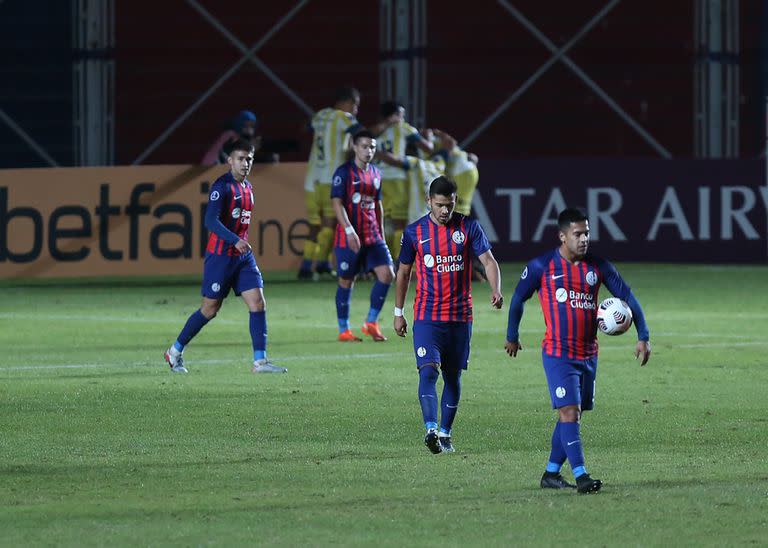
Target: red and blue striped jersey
point(442, 255)
point(360, 192)
point(568, 297)
point(228, 214)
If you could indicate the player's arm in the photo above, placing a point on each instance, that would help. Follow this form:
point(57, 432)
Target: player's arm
point(529, 282)
point(619, 288)
point(402, 281)
point(213, 221)
point(392, 159)
point(343, 219)
point(494, 277)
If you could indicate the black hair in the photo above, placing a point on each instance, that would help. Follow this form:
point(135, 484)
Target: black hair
point(568, 216)
point(388, 108)
point(238, 144)
point(347, 93)
point(442, 186)
point(361, 134)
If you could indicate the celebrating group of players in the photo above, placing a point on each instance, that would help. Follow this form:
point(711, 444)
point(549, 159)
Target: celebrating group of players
point(347, 199)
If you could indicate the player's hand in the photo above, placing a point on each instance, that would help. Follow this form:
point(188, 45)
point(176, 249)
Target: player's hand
point(512, 348)
point(497, 300)
point(354, 242)
point(401, 326)
point(243, 247)
point(643, 351)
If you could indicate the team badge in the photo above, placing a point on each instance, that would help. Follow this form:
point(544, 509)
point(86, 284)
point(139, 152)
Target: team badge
point(337, 180)
point(524, 275)
point(458, 237)
point(215, 287)
point(421, 352)
point(429, 260)
point(356, 197)
point(560, 392)
point(214, 195)
point(236, 213)
point(561, 295)
point(591, 277)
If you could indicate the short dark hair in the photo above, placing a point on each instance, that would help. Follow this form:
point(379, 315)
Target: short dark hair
point(570, 215)
point(442, 186)
point(238, 144)
point(388, 108)
point(347, 93)
point(361, 133)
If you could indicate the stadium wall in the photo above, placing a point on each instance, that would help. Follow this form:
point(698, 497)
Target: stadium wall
point(72, 222)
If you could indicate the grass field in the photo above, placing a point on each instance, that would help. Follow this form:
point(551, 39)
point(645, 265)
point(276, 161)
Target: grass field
point(100, 444)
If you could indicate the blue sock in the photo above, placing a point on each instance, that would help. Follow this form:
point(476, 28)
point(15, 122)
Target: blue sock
point(378, 295)
point(193, 326)
point(178, 346)
point(258, 326)
point(428, 395)
point(449, 403)
point(306, 265)
point(557, 454)
point(343, 297)
point(570, 438)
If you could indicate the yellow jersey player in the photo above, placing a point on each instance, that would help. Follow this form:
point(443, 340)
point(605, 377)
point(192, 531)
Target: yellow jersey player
point(394, 184)
point(332, 128)
point(461, 166)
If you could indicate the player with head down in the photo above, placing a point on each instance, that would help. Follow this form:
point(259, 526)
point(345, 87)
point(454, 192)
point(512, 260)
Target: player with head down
point(441, 246)
point(229, 261)
point(568, 279)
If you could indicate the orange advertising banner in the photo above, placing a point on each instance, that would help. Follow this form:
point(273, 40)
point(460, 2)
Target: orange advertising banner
point(143, 220)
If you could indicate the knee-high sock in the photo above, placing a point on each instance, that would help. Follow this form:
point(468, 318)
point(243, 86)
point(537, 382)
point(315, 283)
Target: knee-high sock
point(258, 326)
point(193, 326)
point(324, 244)
point(557, 454)
point(397, 237)
point(449, 403)
point(570, 437)
point(428, 395)
point(343, 297)
point(378, 296)
point(309, 255)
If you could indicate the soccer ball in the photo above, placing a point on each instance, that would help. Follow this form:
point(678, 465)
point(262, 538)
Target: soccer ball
point(614, 316)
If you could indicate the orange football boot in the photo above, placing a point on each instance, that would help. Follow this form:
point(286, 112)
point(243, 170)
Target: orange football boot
point(372, 329)
point(348, 336)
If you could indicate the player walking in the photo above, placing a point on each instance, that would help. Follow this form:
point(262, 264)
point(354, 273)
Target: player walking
point(441, 245)
point(568, 280)
point(229, 262)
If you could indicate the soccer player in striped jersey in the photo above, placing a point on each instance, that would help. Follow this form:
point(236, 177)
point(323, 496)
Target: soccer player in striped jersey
point(229, 262)
point(394, 140)
point(332, 128)
point(568, 280)
point(441, 245)
point(359, 241)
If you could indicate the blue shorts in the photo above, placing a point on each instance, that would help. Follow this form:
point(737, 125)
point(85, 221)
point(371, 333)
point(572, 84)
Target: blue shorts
point(443, 343)
point(222, 273)
point(349, 263)
point(571, 382)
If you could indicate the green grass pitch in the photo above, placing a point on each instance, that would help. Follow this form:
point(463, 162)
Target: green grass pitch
point(101, 445)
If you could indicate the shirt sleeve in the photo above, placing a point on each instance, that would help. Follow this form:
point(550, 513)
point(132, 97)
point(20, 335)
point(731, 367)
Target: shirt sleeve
point(213, 214)
point(619, 288)
point(480, 243)
point(529, 283)
point(353, 125)
point(339, 185)
point(407, 249)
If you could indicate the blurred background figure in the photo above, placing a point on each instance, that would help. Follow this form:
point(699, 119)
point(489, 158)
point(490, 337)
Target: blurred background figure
point(244, 126)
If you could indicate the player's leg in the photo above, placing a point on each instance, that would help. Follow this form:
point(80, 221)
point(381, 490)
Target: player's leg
point(310, 244)
point(347, 262)
point(217, 275)
point(428, 363)
point(327, 225)
point(455, 360)
point(378, 259)
point(399, 214)
point(250, 286)
point(588, 374)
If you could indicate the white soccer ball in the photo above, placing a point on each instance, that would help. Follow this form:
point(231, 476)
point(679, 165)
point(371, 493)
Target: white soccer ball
point(614, 316)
